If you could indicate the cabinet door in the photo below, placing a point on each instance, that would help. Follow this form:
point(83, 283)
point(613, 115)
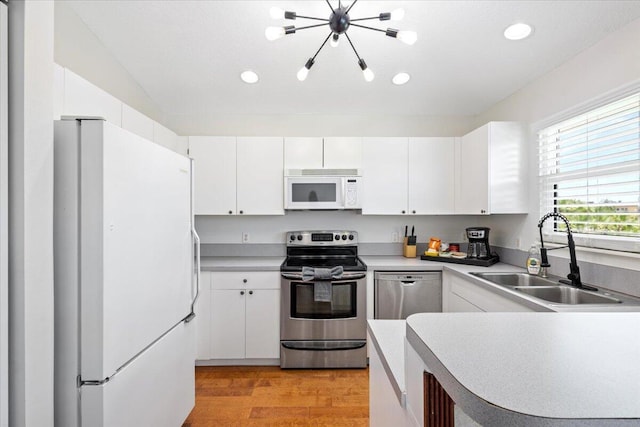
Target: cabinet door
point(203, 318)
point(385, 176)
point(263, 324)
point(228, 324)
point(303, 153)
point(431, 175)
point(260, 187)
point(473, 173)
point(214, 174)
point(343, 153)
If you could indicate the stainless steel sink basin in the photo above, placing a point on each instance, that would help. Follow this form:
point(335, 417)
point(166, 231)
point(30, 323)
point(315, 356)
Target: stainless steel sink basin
point(515, 279)
point(567, 295)
point(552, 291)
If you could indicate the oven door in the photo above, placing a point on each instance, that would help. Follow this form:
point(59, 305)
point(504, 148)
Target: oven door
point(344, 318)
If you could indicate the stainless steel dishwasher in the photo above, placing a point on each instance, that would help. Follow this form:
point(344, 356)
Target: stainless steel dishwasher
point(400, 294)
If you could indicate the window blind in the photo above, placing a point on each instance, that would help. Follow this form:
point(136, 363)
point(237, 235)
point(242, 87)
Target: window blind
point(590, 170)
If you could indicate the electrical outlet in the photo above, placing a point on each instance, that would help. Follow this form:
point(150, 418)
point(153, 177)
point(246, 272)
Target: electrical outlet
point(517, 242)
point(245, 237)
point(395, 237)
point(463, 236)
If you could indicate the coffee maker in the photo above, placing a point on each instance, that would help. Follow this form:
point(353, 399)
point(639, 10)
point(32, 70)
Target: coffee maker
point(478, 247)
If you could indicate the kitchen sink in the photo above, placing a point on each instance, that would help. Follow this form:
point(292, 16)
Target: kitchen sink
point(567, 295)
point(550, 290)
point(516, 279)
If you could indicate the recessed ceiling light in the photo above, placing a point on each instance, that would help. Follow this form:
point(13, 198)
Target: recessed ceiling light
point(249, 77)
point(400, 78)
point(517, 31)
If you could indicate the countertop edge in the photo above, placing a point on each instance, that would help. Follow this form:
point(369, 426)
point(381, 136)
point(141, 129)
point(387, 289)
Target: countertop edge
point(400, 394)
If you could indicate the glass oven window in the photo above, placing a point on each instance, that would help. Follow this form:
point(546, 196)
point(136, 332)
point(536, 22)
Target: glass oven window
point(317, 192)
point(343, 301)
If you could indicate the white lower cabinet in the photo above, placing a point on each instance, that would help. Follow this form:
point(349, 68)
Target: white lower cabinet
point(461, 295)
point(243, 317)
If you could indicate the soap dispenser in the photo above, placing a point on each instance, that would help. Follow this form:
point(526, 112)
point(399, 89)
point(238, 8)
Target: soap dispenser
point(533, 261)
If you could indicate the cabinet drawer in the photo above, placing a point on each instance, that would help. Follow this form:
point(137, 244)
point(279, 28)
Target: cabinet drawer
point(245, 280)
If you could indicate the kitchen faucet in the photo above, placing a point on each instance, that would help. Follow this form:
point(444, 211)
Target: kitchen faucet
point(574, 271)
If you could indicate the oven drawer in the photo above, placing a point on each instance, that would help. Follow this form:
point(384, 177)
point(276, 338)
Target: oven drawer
point(323, 354)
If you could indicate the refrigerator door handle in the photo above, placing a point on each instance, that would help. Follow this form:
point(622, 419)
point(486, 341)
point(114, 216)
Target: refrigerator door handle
point(196, 239)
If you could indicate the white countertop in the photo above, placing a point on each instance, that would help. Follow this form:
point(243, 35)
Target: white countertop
point(535, 368)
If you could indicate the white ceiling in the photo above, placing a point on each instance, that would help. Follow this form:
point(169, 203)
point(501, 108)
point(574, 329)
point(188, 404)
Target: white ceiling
point(187, 55)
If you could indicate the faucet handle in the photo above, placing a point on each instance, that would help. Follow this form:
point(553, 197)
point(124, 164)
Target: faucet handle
point(544, 261)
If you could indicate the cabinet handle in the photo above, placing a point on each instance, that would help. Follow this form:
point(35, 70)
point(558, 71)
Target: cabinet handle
point(250, 292)
point(413, 211)
point(244, 280)
point(241, 212)
point(230, 212)
point(403, 212)
point(241, 292)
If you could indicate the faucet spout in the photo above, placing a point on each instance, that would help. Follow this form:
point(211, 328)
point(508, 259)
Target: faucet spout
point(574, 270)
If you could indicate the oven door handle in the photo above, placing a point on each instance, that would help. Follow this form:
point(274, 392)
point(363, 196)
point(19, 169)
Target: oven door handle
point(323, 345)
point(344, 277)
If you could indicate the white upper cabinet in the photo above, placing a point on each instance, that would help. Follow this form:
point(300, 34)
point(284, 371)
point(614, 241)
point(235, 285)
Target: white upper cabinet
point(492, 170)
point(260, 175)
point(214, 174)
point(408, 176)
point(303, 153)
point(431, 176)
point(238, 176)
point(327, 153)
point(385, 175)
point(343, 153)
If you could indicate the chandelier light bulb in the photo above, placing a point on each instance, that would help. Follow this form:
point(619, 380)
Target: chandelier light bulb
point(335, 40)
point(274, 33)
point(368, 74)
point(302, 74)
point(408, 37)
point(276, 13)
point(397, 15)
point(304, 71)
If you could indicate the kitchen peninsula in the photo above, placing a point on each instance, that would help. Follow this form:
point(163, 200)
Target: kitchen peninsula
point(530, 369)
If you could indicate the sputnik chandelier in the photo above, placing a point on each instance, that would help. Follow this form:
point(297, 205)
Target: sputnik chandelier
point(339, 22)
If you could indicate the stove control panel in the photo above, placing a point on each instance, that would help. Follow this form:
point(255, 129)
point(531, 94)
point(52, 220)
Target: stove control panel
point(322, 238)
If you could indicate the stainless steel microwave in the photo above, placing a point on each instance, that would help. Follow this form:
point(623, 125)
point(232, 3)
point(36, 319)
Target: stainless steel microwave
point(323, 189)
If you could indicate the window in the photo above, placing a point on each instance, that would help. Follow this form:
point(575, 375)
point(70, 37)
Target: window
point(590, 173)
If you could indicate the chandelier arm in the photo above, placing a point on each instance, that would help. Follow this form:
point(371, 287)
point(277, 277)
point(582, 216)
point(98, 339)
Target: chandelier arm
point(365, 19)
point(330, 7)
point(368, 28)
point(352, 4)
point(311, 26)
point(352, 47)
point(311, 17)
point(321, 46)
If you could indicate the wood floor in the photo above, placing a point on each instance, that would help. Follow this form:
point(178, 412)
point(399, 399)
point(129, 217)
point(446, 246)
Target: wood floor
point(268, 396)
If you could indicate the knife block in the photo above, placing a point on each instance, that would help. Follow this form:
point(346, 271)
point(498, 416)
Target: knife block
point(409, 247)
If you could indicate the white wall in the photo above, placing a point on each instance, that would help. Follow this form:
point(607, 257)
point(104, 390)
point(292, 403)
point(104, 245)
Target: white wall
point(318, 125)
point(371, 229)
point(77, 48)
point(609, 66)
point(31, 213)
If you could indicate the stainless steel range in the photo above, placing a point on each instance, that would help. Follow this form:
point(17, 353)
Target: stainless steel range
point(323, 311)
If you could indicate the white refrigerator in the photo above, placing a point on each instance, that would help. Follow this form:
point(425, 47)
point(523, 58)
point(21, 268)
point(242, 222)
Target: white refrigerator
point(126, 279)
